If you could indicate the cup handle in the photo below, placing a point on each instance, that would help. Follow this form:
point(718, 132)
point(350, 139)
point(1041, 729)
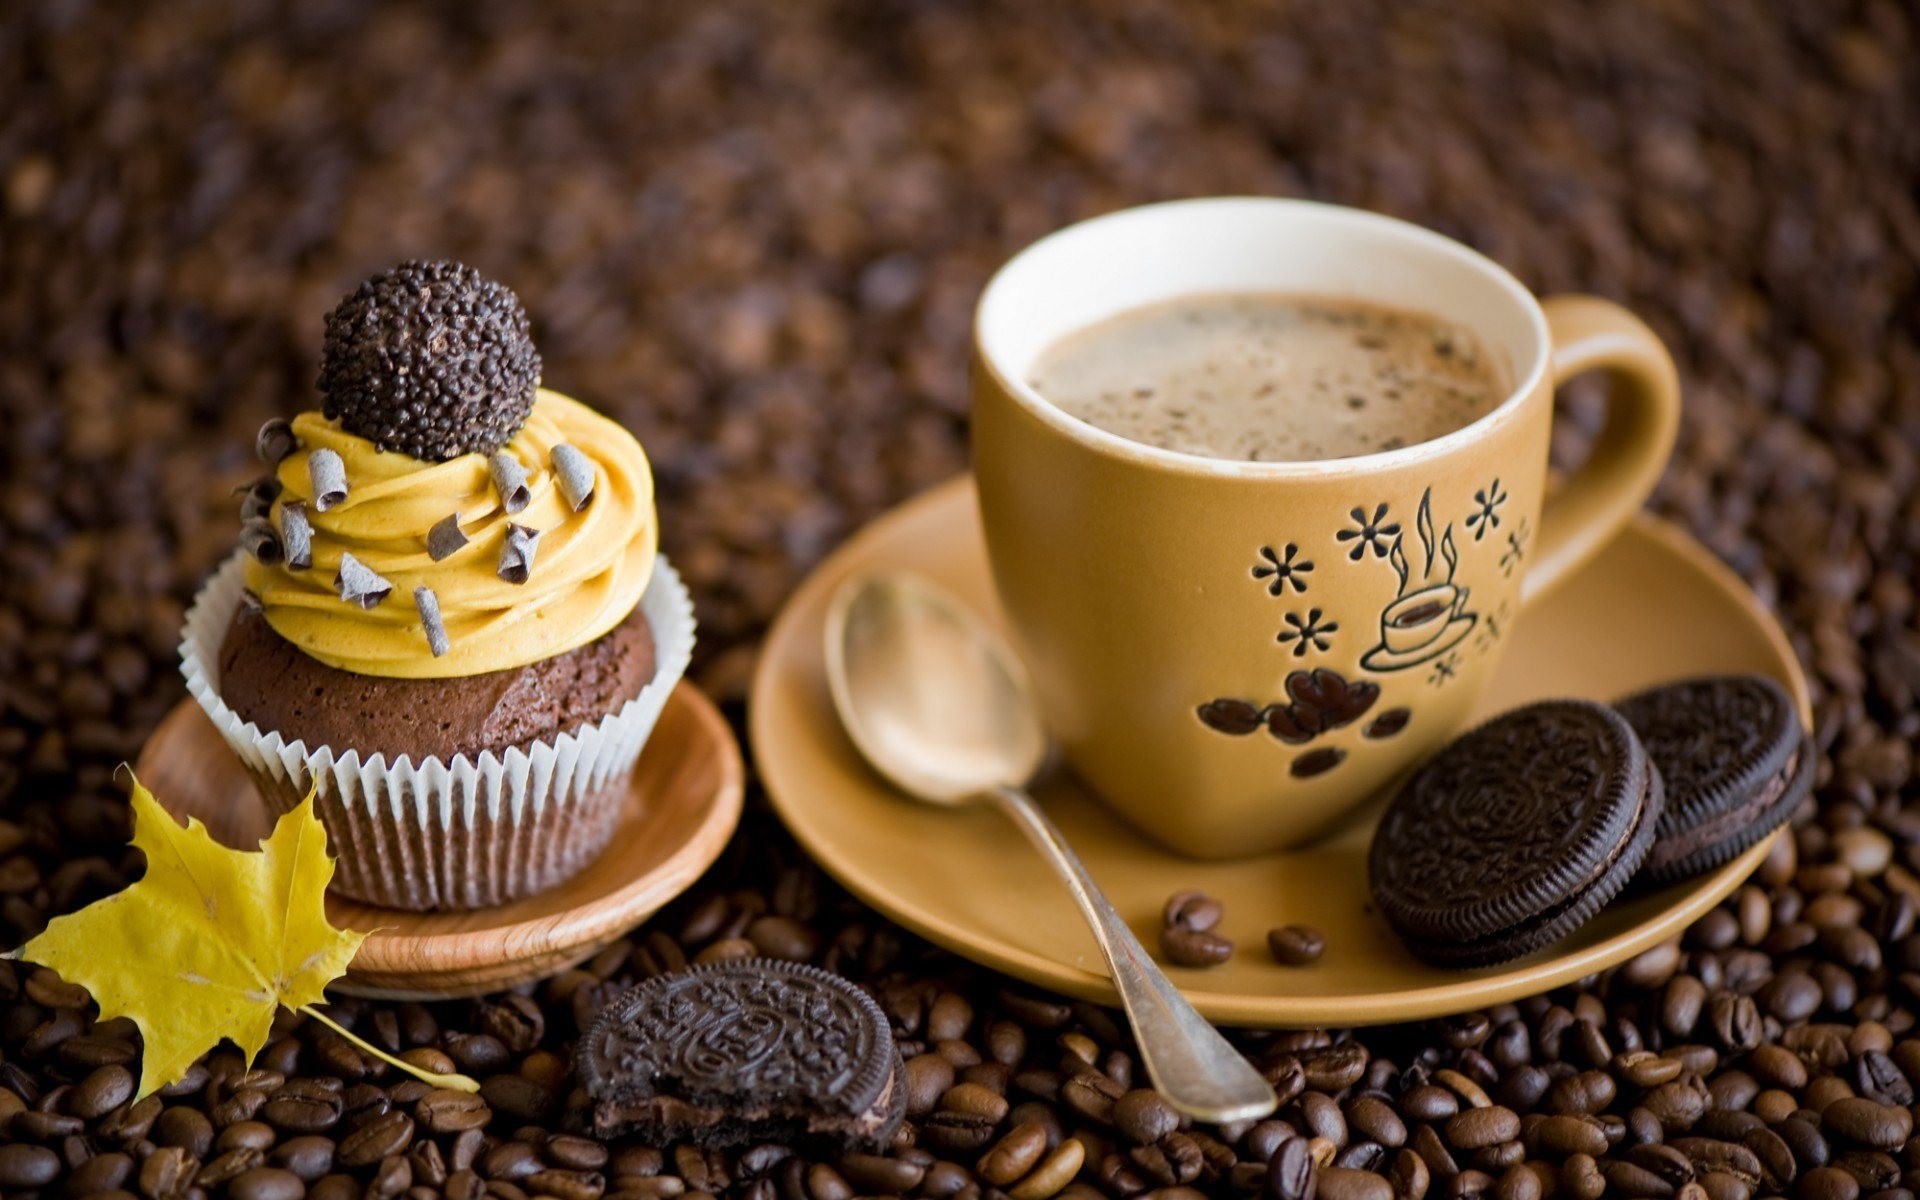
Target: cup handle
point(1598, 499)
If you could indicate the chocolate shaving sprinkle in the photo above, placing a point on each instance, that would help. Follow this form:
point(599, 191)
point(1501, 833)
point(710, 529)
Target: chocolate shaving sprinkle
point(259, 498)
point(510, 480)
point(275, 441)
point(296, 534)
point(429, 606)
point(259, 540)
point(329, 477)
point(516, 557)
point(445, 537)
point(574, 470)
point(359, 583)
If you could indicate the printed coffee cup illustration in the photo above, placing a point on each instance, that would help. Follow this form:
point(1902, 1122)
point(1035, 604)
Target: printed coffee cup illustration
point(1429, 615)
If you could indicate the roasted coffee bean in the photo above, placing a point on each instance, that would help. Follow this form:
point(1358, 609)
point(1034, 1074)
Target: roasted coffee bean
point(1339, 1183)
point(308, 1157)
point(1013, 1155)
point(1477, 1128)
point(1144, 1115)
point(568, 1185)
point(300, 1108)
point(28, 1166)
point(1375, 1120)
point(266, 1183)
point(102, 1091)
point(517, 1096)
point(1562, 1137)
point(1335, 1068)
point(167, 1172)
point(444, 1110)
point(1409, 1176)
point(515, 1020)
point(1291, 1172)
point(47, 1126)
point(228, 1166)
point(387, 1134)
point(515, 1161)
point(1190, 910)
point(575, 1153)
point(872, 1173)
point(101, 1173)
point(1828, 1183)
point(1429, 1103)
point(1184, 946)
point(1296, 945)
point(1868, 1122)
point(248, 1135)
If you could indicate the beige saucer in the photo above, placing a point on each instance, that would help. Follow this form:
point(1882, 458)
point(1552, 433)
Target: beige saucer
point(967, 880)
point(685, 803)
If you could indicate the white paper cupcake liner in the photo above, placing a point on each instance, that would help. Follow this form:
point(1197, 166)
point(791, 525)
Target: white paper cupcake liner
point(464, 833)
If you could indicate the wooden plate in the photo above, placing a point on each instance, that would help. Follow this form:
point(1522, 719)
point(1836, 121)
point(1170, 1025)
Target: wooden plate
point(1654, 606)
point(685, 804)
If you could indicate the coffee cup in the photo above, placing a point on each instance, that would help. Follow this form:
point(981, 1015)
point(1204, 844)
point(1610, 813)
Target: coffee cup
point(1233, 654)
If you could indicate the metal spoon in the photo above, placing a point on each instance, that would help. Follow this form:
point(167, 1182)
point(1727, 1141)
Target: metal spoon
point(939, 707)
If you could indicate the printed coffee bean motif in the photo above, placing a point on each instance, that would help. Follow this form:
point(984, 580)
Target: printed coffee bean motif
point(1234, 717)
point(1387, 723)
point(1318, 762)
point(1318, 701)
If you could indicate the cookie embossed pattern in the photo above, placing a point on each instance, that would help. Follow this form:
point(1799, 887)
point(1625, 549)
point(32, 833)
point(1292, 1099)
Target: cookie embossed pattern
point(751, 1050)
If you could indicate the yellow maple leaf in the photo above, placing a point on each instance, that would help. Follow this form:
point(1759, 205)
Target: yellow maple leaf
point(210, 942)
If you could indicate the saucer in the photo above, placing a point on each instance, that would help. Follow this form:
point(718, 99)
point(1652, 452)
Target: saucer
point(684, 803)
point(967, 880)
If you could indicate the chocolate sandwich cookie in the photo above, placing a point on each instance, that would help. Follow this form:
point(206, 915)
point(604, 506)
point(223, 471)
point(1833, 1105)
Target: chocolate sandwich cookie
point(1735, 761)
point(1515, 834)
point(745, 1051)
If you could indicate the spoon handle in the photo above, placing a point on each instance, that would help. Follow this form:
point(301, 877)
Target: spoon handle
point(1186, 1058)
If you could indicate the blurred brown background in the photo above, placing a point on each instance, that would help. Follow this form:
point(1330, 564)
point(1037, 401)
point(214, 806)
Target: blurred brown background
point(755, 234)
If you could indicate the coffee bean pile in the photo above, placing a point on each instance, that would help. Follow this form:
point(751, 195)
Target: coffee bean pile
point(755, 233)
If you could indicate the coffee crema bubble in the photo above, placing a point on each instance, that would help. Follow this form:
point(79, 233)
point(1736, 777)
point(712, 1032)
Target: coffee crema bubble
point(1272, 377)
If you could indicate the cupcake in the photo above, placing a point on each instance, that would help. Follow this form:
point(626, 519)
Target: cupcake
point(448, 614)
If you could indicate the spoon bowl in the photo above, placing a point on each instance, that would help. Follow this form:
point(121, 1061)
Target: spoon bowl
point(931, 698)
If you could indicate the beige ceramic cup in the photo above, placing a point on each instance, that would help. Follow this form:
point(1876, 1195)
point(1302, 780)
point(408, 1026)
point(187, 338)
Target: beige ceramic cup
point(1235, 655)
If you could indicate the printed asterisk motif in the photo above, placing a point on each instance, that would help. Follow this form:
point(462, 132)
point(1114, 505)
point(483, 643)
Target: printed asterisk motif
point(1444, 670)
point(1487, 516)
point(1516, 551)
point(1492, 627)
point(1367, 533)
point(1283, 569)
point(1309, 632)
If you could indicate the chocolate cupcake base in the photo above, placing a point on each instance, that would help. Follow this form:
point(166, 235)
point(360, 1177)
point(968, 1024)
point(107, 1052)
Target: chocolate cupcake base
point(465, 831)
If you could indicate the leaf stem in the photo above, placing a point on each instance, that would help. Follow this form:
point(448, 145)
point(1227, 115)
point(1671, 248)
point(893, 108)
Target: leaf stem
point(458, 1082)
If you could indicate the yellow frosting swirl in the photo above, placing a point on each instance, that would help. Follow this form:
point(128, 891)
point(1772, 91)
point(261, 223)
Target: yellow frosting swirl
point(589, 568)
